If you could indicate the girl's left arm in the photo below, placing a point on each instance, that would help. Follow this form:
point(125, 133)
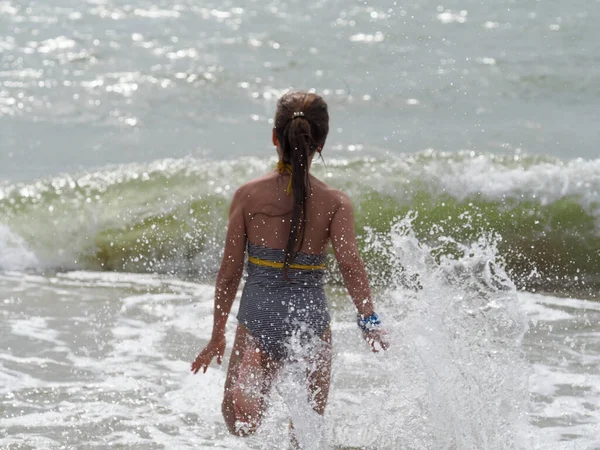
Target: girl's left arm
point(232, 265)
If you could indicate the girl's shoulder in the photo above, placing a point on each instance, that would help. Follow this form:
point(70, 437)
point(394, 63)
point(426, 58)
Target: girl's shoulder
point(331, 195)
point(257, 183)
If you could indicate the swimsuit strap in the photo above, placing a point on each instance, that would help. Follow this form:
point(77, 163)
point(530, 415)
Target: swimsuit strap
point(279, 265)
point(285, 168)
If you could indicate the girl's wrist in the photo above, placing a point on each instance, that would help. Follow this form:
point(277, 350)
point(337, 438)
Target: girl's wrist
point(368, 323)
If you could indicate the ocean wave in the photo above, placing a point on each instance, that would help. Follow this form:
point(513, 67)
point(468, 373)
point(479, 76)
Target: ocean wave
point(170, 215)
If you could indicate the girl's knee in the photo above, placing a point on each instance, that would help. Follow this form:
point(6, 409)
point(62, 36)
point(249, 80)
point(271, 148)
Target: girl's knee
point(242, 417)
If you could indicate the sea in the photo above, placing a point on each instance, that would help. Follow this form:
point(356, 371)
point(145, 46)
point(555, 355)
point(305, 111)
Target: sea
point(466, 133)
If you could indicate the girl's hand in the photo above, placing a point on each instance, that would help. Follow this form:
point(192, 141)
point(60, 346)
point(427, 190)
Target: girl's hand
point(215, 347)
point(376, 339)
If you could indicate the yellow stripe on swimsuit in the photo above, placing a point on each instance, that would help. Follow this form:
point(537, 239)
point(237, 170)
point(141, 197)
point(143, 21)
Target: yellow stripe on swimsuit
point(279, 265)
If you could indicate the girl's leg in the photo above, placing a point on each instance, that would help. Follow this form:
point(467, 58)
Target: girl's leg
point(319, 376)
point(249, 379)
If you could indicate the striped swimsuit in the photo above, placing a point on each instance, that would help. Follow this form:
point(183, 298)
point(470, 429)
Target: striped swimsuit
point(274, 309)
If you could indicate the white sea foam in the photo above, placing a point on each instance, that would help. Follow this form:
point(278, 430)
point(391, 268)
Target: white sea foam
point(547, 181)
point(35, 328)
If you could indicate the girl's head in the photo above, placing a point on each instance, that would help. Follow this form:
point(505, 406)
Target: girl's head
point(301, 127)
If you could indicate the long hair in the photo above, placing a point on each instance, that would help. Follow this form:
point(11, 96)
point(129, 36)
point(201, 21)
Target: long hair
point(301, 126)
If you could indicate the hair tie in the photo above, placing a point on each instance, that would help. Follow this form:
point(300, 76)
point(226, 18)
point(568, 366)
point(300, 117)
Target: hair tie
point(297, 114)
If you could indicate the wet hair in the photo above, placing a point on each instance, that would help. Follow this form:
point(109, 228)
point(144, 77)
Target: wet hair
point(301, 126)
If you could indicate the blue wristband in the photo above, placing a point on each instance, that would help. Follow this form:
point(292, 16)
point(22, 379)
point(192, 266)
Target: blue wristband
point(368, 323)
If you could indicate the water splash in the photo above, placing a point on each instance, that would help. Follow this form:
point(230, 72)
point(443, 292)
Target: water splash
point(14, 253)
point(455, 376)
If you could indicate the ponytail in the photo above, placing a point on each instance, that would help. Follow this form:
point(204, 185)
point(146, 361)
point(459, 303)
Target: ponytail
point(301, 125)
point(299, 145)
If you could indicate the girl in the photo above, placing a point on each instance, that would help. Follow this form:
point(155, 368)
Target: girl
point(285, 219)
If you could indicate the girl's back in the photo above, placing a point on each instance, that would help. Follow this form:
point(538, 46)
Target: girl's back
point(268, 212)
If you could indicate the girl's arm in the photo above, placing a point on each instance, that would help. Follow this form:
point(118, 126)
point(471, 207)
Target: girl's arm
point(228, 280)
point(343, 239)
point(232, 265)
